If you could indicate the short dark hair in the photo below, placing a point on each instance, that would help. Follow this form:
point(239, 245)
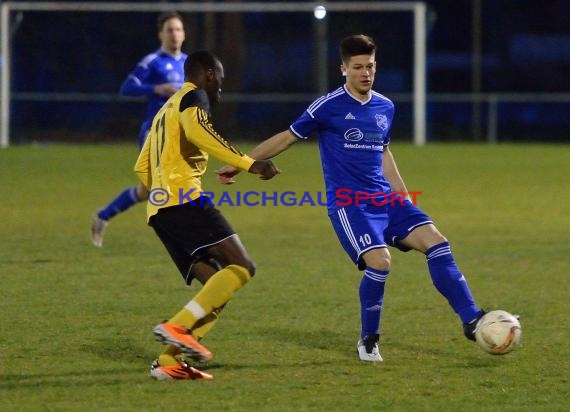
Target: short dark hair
point(200, 60)
point(356, 45)
point(164, 17)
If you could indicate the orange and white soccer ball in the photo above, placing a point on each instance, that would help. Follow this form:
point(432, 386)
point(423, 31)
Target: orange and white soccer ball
point(498, 332)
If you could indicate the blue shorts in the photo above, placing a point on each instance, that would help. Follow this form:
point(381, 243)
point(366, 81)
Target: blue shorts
point(366, 226)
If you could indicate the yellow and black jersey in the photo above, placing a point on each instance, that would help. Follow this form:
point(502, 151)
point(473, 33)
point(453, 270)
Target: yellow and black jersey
point(175, 154)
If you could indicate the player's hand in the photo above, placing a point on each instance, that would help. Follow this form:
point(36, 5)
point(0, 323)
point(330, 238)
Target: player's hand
point(265, 168)
point(165, 89)
point(226, 174)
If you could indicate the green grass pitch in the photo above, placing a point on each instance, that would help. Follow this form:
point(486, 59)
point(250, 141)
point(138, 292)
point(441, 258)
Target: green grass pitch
point(76, 321)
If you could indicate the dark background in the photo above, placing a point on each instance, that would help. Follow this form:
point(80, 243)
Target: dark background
point(524, 48)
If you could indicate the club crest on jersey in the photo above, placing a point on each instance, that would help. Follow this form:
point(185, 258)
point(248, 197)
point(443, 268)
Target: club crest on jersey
point(381, 121)
point(353, 135)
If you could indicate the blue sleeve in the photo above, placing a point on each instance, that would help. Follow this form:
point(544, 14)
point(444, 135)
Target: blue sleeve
point(137, 82)
point(133, 87)
point(304, 126)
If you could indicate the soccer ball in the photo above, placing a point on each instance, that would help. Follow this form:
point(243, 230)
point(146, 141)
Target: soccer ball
point(498, 332)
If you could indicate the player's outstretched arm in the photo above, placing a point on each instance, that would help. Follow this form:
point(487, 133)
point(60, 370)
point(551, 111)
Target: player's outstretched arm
point(134, 86)
point(265, 150)
point(138, 82)
point(274, 145)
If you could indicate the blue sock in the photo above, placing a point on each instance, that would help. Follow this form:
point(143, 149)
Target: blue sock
point(449, 281)
point(371, 296)
point(122, 202)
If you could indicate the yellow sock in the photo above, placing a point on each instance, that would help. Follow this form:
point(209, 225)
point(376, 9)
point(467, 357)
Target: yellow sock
point(204, 325)
point(217, 291)
point(168, 356)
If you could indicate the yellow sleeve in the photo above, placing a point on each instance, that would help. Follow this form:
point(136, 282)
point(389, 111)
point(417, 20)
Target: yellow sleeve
point(142, 166)
point(199, 131)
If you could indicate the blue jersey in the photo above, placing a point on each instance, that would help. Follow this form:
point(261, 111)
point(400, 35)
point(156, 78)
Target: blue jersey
point(156, 68)
point(352, 135)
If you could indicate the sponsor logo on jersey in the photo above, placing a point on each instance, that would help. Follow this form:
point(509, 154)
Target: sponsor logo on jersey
point(353, 135)
point(349, 116)
point(367, 141)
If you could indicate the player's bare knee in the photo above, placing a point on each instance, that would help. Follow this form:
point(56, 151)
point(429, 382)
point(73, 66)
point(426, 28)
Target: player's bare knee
point(423, 238)
point(439, 238)
point(378, 259)
point(248, 265)
point(380, 264)
point(435, 239)
point(433, 235)
point(251, 268)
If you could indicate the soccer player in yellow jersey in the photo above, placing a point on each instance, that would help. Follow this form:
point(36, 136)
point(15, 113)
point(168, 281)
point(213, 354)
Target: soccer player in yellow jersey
point(199, 239)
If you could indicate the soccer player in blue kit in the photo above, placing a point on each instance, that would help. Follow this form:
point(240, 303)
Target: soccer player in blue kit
point(353, 126)
point(157, 76)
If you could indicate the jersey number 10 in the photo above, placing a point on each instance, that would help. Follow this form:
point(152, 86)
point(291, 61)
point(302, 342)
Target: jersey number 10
point(365, 239)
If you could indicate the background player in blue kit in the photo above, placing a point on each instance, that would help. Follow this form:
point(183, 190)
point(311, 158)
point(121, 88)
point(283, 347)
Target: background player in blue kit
point(157, 76)
point(353, 125)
